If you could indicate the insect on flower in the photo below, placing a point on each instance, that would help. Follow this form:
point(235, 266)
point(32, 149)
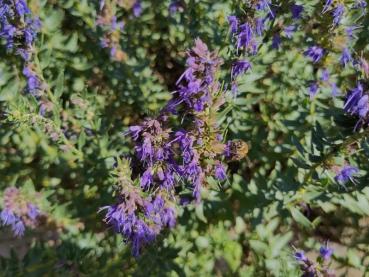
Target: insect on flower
point(236, 150)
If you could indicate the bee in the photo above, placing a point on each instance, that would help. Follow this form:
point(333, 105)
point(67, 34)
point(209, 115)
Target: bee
point(237, 150)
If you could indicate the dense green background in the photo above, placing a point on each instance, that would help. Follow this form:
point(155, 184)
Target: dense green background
point(246, 227)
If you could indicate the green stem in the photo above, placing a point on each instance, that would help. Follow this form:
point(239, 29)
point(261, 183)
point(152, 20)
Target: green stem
point(336, 149)
point(29, 118)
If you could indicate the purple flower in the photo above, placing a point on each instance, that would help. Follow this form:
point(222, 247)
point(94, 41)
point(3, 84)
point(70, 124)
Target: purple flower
point(233, 24)
point(240, 67)
point(35, 24)
point(135, 131)
point(168, 217)
point(18, 36)
point(33, 211)
point(197, 190)
point(33, 82)
point(326, 252)
point(174, 7)
point(350, 31)
point(116, 25)
point(335, 90)
point(315, 53)
point(143, 235)
point(313, 89)
point(18, 212)
point(327, 5)
point(325, 75)
point(194, 84)
point(296, 11)
point(193, 169)
point(21, 7)
point(300, 256)
point(169, 180)
point(360, 4)
point(147, 151)
point(167, 158)
point(220, 172)
point(18, 228)
point(346, 174)
point(245, 36)
point(262, 4)
point(101, 4)
point(8, 33)
point(338, 14)
point(25, 54)
point(259, 26)
point(345, 57)
point(276, 41)
point(356, 102)
point(289, 30)
point(123, 219)
point(137, 8)
point(7, 217)
point(234, 88)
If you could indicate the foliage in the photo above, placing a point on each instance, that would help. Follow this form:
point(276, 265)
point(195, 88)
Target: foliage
point(295, 92)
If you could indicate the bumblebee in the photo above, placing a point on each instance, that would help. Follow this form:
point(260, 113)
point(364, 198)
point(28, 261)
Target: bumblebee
point(237, 150)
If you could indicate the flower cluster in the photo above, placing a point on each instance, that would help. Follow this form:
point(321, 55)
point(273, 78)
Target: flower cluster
point(345, 174)
point(343, 39)
point(324, 81)
point(19, 211)
point(175, 6)
point(137, 8)
point(19, 29)
point(171, 159)
point(138, 219)
point(112, 29)
point(357, 103)
point(197, 84)
point(246, 35)
point(320, 267)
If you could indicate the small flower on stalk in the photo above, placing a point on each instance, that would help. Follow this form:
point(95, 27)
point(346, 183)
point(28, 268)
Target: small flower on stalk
point(357, 103)
point(326, 252)
point(137, 8)
point(360, 4)
point(315, 53)
point(338, 14)
point(264, 5)
point(34, 85)
point(233, 24)
point(296, 11)
point(289, 30)
point(259, 26)
point(313, 89)
point(319, 267)
point(327, 5)
point(240, 67)
point(346, 174)
point(245, 37)
point(345, 57)
point(175, 6)
point(335, 90)
point(19, 212)
point(300, 256)
point(325, 75)
point(220, 172)
point(276, 41)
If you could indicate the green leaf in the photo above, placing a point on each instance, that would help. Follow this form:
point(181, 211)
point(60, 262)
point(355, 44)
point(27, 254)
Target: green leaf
point(59, 85)
point(300, 218)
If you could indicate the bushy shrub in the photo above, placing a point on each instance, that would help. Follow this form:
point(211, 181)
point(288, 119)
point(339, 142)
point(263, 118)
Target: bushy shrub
point(184, 138)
